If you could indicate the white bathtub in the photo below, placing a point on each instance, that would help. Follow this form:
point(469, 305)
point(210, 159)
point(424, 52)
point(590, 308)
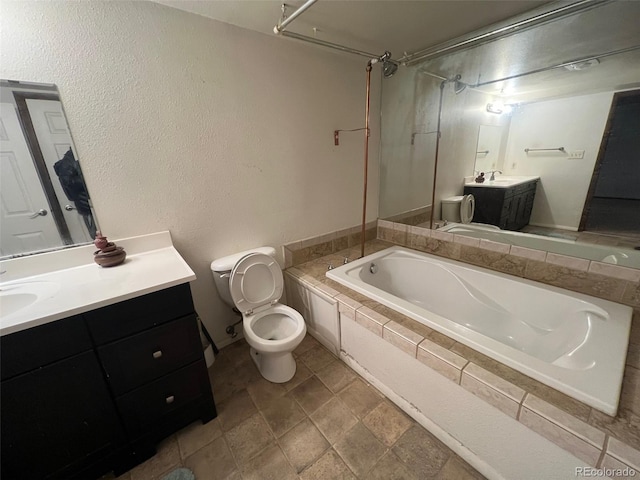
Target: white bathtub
point(574, 343)
point(625, 257)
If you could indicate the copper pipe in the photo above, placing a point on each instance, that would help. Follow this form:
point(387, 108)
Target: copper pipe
point(366, 161)
point(435, 163)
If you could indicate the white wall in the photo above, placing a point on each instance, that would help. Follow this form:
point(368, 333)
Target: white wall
point(575, 123)
point(221, 135)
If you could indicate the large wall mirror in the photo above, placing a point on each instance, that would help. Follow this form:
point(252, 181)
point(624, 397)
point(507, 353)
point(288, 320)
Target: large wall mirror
point(45, 203)
point(557, 105)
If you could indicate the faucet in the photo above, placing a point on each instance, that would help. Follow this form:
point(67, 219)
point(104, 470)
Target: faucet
point(493, 174)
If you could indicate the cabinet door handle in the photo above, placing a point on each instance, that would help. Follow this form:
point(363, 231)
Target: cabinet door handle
point(157, 354)
point(169, 399)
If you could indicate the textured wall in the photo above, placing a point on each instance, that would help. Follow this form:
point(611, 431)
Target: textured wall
point(576, 123)
point(221, 135)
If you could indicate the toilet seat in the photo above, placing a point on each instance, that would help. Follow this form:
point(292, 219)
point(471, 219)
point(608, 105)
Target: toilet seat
point(256, 283)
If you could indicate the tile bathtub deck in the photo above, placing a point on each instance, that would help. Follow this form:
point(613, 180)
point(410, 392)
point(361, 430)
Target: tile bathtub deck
point(326, 423)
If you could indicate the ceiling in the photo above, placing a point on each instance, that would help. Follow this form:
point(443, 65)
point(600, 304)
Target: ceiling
point(368, 25)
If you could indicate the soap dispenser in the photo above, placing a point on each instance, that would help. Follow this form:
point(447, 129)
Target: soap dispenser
point(480, 178)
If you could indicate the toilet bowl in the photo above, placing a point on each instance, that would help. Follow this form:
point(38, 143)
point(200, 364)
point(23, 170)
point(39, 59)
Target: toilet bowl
point(272, 330)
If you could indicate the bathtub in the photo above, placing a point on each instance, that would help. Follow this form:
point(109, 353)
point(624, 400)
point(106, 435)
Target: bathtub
point(625, 257)
point(574, 343)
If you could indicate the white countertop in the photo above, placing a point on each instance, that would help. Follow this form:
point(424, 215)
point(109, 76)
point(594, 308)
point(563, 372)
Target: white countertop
point(503, 181)
point(152, 264)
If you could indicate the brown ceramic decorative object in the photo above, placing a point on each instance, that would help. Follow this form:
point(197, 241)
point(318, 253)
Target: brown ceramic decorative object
point(108, 253)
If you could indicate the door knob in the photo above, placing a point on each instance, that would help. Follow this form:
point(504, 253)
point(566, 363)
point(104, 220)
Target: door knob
point(68, 208)
point(40, 213)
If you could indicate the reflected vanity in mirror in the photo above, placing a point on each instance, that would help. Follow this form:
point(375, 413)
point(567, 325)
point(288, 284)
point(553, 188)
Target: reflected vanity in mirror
point(45, 202)
point(538, 107)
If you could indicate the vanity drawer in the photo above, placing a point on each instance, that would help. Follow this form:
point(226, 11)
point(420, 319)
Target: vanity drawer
point(136, 360)
point(141, 313)
point(39, 346)
point(143, 409)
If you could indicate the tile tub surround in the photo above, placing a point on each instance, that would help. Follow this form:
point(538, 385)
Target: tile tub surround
point(311, 248)
point(324, 425)
point(570, 424)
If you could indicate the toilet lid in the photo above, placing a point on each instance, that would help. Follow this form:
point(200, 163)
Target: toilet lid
point(256, 281)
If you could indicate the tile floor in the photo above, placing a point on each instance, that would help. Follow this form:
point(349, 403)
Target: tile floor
point(326, 423)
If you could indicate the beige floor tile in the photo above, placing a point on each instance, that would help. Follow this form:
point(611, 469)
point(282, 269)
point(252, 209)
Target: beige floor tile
point(387, 423)
point(359, 449)
point(197, 435)
point(334, 419)
point(307, 343)
point(282, 413)
point(235, 410)
point(168, 456)
point(225, 384)
point(458, 469)
point(303, 444)
point(302, 373)
point(212, 462)
point(271, 464)
point(336, 375)
point(249, 438)
point(360, 398)
point(311, 394)
point(390, 467)
point(421, 452)
point(237, 352)
point(263, 391)
point(329, 466)
point(317, 358)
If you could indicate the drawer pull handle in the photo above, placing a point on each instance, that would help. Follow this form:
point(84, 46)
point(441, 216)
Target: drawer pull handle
point(157, 354)
point(169, 399)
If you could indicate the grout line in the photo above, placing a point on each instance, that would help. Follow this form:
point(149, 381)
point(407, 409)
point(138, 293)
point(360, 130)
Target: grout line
point(521, 405)
point(603, 453)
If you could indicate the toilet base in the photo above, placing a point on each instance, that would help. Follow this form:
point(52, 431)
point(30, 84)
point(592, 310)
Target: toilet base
point(276, 367)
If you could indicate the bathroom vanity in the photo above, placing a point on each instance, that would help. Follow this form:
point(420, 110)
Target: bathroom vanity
point(95, 390)
point(506, 202)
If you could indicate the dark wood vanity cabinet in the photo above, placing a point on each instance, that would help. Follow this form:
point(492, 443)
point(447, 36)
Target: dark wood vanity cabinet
point(508, 208)
point(95, 392)
point(57, 415)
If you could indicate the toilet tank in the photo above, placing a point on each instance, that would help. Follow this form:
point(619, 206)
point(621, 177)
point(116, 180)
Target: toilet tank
point(221, 270)
point(451, 208)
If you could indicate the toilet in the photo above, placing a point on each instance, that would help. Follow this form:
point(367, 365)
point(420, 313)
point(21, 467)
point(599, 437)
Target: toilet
point(458, 209)
point(252, 281)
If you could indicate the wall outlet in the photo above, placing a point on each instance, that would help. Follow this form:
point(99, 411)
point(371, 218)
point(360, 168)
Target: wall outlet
point(576, 154)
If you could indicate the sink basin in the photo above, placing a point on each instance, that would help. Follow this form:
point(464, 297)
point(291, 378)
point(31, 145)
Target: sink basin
point(15, 296)
point(12, 302)
point(504, 181)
